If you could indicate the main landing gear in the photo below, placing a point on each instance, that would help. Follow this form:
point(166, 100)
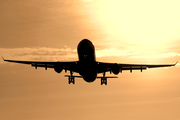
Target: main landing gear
point(104, 79)
point(71, 78)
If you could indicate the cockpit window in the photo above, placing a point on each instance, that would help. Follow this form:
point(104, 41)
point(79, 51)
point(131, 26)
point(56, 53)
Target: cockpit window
point(85, 56)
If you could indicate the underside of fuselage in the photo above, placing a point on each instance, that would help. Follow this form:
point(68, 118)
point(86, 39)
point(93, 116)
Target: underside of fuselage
point(88, 70)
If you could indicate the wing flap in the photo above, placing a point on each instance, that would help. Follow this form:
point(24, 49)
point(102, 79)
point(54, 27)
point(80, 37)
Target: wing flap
point(133, 67)
point(143, 66)
point(46, 65)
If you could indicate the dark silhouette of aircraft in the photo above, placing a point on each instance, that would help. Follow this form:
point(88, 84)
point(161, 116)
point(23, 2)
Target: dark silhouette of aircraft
point(87, 66)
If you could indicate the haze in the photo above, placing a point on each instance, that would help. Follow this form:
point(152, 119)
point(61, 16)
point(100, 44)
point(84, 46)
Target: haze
point(122, 31)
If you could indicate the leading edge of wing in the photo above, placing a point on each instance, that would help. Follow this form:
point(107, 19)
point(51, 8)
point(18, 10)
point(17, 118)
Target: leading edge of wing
point(24, 62)
point(17, 61)
point(108, 66)
point(123, 64)
point(30, 62)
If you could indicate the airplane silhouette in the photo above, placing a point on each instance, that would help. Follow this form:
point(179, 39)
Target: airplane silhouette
point(87, 66)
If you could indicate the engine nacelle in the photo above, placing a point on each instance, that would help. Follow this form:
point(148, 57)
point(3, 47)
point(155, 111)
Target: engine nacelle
point(58, 67)
point(115, 69)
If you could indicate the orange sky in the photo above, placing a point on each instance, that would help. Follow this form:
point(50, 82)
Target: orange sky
point(122, 32)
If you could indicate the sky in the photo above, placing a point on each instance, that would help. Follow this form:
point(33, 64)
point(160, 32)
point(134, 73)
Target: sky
point(141, 31)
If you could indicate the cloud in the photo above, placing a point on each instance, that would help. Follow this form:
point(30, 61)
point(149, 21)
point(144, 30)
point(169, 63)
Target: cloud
point(42, 53)
point(113, 52)
point(157, 55)
point(86, 0)
point(68, 54)
point(130, 54)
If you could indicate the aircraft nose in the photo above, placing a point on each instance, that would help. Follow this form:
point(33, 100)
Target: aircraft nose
point(85, 46)
point(86, 40)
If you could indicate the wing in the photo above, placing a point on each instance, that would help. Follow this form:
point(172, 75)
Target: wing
point(71, 66)
point(105, 67)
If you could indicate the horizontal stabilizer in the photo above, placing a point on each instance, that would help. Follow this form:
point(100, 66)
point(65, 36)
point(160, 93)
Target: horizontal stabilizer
point(97, 77)
point(108, 77)
point(72, 76)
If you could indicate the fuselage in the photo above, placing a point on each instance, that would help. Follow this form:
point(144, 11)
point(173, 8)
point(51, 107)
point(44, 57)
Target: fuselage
point(87, 60)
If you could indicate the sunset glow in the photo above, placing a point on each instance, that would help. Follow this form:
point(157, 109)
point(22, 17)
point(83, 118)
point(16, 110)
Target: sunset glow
point(122, 31)
point(142, 23)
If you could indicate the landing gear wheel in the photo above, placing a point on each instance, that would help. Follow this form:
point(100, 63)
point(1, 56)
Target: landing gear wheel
point(71, 80)
point(103, 80)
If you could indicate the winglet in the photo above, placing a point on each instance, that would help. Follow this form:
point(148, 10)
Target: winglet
point(175, 63)
point(3, 58)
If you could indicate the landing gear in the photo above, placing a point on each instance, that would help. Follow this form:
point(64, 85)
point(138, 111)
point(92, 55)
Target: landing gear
point(104, 79)
point(71, 78)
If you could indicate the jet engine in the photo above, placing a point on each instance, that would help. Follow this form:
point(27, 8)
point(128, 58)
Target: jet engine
point(58, 67)
point(115, 68)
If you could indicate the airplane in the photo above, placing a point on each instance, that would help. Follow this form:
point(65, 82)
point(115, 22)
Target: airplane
point(87, 66)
